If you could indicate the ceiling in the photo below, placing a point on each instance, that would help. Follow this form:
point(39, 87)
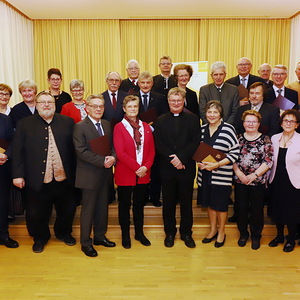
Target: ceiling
point(155, 9)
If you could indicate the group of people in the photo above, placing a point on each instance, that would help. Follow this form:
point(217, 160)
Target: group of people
point(147, 129)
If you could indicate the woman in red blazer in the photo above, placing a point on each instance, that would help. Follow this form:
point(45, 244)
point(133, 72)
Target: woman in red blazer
point(134, 146)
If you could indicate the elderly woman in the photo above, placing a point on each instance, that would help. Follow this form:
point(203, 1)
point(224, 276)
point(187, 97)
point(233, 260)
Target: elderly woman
point(28, 90)
point(215, 178)
point(6, 133)
point(76, 108)
point(255, 159)
point(284, 179)
point(183, 74)
point(5, 94)
point(134, 146)
point(55, 80)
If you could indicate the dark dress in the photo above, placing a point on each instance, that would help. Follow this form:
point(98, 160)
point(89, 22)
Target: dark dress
point(60, 100)
point(285, 197)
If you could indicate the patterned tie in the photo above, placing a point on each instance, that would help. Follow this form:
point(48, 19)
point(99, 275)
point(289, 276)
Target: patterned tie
point(114, 100)
point(133, 82)
point(244, 82)
point(279, 91)
point(99, 129)
point(145, 102)
point(219, 89)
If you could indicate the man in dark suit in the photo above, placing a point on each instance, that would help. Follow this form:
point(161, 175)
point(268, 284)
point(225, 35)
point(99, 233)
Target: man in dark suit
point(93, 176)
point(130, 85)
point(43, 162)
point(226, 93)
point(163, 82)
point(177, 135)
point(270, 123)
point(113, 98)
point(244, 77)
point(279, 75)
point(264, 71)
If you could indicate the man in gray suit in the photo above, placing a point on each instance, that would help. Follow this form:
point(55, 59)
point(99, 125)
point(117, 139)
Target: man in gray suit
point(226, 93)
point(93, 176)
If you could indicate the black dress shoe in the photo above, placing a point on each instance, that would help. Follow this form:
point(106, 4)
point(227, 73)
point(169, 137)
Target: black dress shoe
point(232, 219)
point(89, 251)
point(169, 240)
point(209, 240)
point(289, 247)
point(255, 244)
point(126, 241)
point(143, 240)
point(218, 245)
point(156, 203)
point(9, 243)
point(189, 241)
point(67, 239)
point(38, 247)
point(105, 242)
point(242, 241)
point(275, 242)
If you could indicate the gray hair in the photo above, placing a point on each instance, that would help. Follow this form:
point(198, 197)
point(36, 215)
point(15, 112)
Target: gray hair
point(217, 65)
point(94, 96)
point(282, 67)
point(29, 83)
point(112, 72)
point(132, 61)
point(76, 83)
point(145, 75)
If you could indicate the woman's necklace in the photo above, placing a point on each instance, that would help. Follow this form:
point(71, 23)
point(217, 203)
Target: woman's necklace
point(252, 137)
point(285, 141)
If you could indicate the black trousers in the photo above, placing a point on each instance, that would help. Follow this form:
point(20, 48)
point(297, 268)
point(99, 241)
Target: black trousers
point(39, 209)
point(4, 200)
point(250, 209)
point(182, 191)
point(124, 196)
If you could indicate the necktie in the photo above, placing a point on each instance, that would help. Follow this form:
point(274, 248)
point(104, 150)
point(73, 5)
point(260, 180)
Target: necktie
point(166, 80)
point(114, 100)
point(244, 82)
point(99, 129)
point(133, 82)
point(254, 108)
point(145, 102)
point(219, 89)
point(279, 91)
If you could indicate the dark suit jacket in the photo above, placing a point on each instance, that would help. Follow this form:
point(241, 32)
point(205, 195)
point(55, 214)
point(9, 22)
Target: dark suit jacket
point(270, 118)
point(129, 88)
point(111, 114)
point(30, 148)
point(269, 84)
point(90, 171)
point(159, 84)
point(177, 135)
point(192, 102)
point(20, 111)
point(229, 98)
point(288, 93)
point(157, 101)
point(236, 80)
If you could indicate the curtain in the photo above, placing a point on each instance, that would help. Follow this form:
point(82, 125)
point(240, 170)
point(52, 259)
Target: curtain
point(295, 47)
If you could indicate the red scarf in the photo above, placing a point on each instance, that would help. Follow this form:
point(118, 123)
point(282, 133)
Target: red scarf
point(136, 134)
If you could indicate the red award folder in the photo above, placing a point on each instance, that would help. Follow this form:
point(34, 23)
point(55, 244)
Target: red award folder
point(206, 153)
point(148, 116)
point(101, 145)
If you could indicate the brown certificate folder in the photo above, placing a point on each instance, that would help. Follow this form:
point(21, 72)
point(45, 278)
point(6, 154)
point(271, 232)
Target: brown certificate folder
point(3, 145)
point(206, 153)
point(101, 145)
point(148, 116)
point(243, 92)
point(283, 103)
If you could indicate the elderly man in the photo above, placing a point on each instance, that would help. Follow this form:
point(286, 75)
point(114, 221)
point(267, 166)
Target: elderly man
point(279, 75)
point(177, 135)
point(130, 85)
point(93, 176)
point(43, 162)
point(113, 98)
point(244, 77)
point(264, 71)
point(226, 93)
point(163, 82)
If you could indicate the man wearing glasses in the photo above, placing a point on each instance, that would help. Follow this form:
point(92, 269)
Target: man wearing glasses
point(130, 84)
point(93, 175)
point(43, 163)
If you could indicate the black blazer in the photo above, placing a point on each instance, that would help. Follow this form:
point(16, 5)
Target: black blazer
point(192, 102)
point(290, 94)
point(30, 148)
point(20, 111)
point(127, 87)
point(252, 78)
point(177, 135)
point(159, 84)
point(270, 118)
point(111, 114)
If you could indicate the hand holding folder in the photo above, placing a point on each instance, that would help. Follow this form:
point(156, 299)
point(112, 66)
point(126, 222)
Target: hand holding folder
point(101, 145)
point(206, 153)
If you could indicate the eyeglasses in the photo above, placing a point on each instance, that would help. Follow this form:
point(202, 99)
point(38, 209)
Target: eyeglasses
point(2, 95)
point(54, 79)
point(94, 106)
point(244, 65)
point(292, 122)
point(165, 64)
point(175, 101)
point(279, 74)
point(77, 91)
point(133, 69)
point(113, 80)
point(251, 122)
point(45, 102)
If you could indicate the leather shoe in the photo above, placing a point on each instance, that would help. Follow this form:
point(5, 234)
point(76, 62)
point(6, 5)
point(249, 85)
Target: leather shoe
point(218, 245)
point(232, 219)
point(189, 241)
point(105, 242)
point(38, 247)
point(9, 243)
point(169, 241)
point(289, 247)
point(209, 240)
point(89, 251)
point(255, 244)
point(156, 203)
point(143, 240)
point(242, 241)
point(126, 241)
point(275, 242)
point(67, 239)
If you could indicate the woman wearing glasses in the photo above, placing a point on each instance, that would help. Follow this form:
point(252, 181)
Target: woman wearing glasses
point(255, 159)
point(5, 94)
point(284, 179)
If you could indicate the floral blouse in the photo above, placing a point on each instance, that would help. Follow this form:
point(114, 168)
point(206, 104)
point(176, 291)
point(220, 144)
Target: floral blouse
point(252, 155)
